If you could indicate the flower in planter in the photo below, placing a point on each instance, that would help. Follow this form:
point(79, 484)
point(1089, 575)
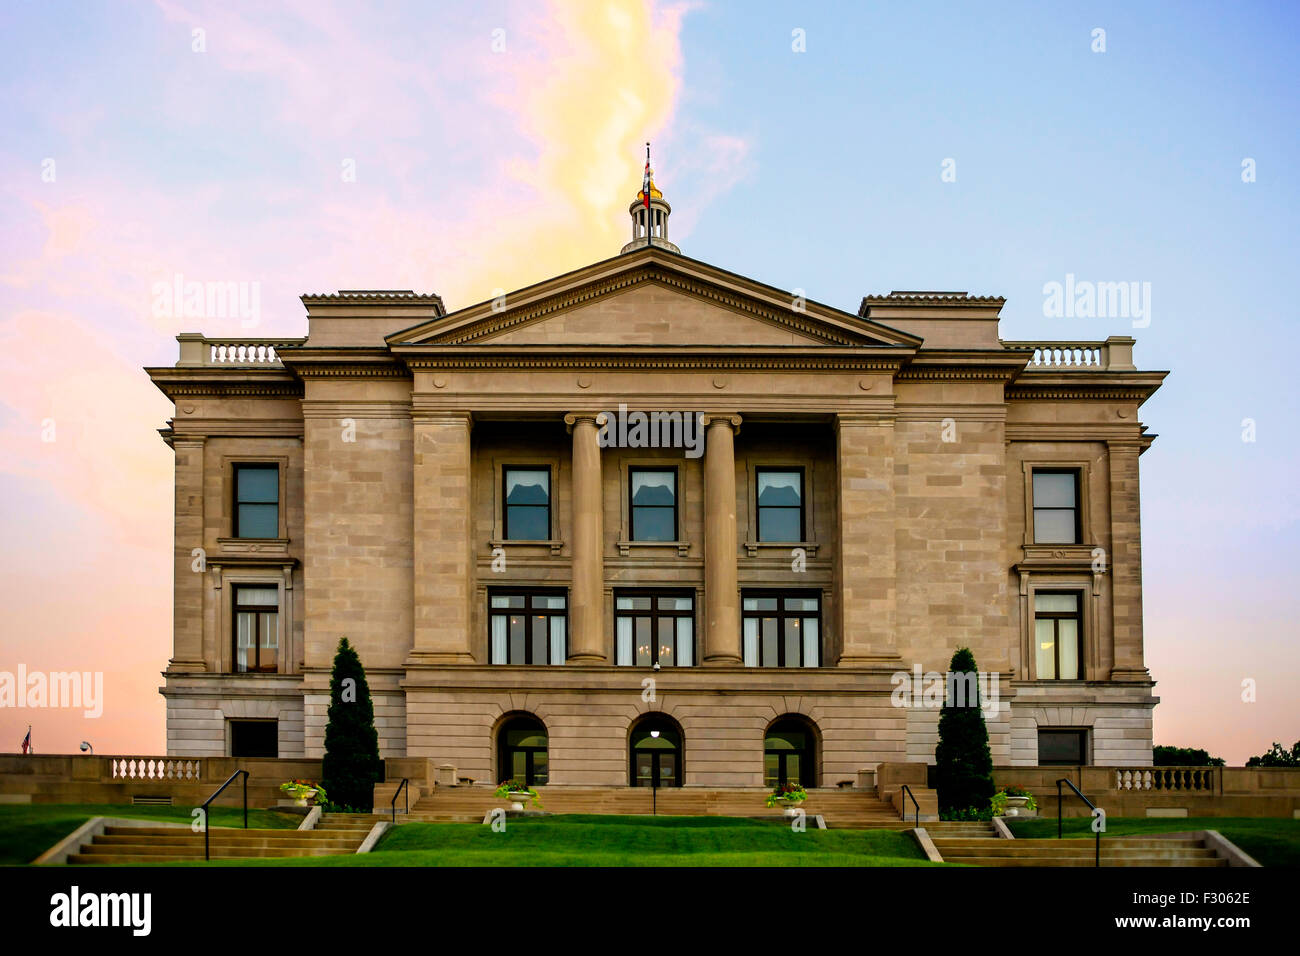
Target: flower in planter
point(999, 801)
point(303, 789)
point(789, 792)
point(518, 791)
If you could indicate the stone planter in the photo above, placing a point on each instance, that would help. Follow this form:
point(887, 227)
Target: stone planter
point(790, 805)
point(518, 800)
point(1016, 806)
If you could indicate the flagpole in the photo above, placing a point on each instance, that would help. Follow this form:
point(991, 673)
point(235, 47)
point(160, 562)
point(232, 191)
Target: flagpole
point(648, 180)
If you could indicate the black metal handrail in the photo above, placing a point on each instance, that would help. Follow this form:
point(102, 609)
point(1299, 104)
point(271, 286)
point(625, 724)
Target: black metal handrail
point(917, 819)
point(1091, 806)
point(400, 787)
point(214, 796)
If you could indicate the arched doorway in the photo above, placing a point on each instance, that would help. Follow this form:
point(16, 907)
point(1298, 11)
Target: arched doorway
point(790, 752)
point(655, 745)
point(522, 749)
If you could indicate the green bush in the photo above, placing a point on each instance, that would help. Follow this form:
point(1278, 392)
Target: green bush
point(351, 766)
point(1183, 757)
point(963, 764)
point(1277, 756)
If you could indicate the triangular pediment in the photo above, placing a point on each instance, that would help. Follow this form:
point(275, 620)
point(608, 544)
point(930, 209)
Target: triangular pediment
point(652, 298)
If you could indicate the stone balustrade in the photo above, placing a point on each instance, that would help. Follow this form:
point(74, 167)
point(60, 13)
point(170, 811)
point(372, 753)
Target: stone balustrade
point(1189, 779)
point(154, 768)
point(1114, 353)
point(199, 350)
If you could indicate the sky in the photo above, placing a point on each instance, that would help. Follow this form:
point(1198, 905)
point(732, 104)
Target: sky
point(312, 145)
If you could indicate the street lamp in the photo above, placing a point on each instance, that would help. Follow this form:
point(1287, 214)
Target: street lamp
point(654, 778)
point(85, 745)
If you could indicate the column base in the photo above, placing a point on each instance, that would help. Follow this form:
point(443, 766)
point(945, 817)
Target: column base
point(1131, 674)
point(869, 660)
point(586, 659)
point(723, 660)
point(438, 658)
point(186, 667)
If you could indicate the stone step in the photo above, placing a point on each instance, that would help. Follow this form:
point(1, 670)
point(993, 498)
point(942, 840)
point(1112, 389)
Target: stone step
point(342, 840)
point(1029, 853)
point(223, 850)
point(1000, 861)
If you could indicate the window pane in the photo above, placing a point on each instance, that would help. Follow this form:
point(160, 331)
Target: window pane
point(760, 604)
point(541, 635)
point(653, 524)
point(1053, 490)
point(783, 488)
point(499, 625)
point(257, 485)
point(507, 600)
point(667, 640)
point(541, 767)
point(635, 602)
point(517, 636)
point(623, 641)
point(644, 647)
point(1067, 632)
point(1060, 747)
point(244, 627)
point(770, 656)
point(1045, 644)
point(801, 604)
point(528, 523)
point(1056, 602)
point(268, 655)
point(675, 603)
point(1054, 527)
point(811, 643)
point(779, 524)
point(257, 596)
point(685, 642)
point(558, 649)
point(751, 641)
point(654, 488)
point(259, 521)
point(793, 642)
point(554, 601)
point(527, 487)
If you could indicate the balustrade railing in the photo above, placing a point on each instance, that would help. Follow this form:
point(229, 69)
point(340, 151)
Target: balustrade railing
point(1115, 352)
point(154, 768)
point(199, 350)
point(1183, 779)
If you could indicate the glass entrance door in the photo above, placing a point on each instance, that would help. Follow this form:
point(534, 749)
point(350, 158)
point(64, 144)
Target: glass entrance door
point(523, 749)
point(656, 747)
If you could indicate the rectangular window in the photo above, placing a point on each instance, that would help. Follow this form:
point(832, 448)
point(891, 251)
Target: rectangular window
point(781, 629)
point(1058, 632)
point(780, 504)
point(653, 504)
point(528, 627)
point(257, 501)
point(1056, 507)
point(527, 503)
point(1062, 748)
point(257, 628)
point(254, 738)
point(654, 627)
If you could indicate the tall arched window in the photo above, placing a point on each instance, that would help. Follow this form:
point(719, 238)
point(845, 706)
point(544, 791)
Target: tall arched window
point(522, 748)
point(655, 746)
point(790, 752)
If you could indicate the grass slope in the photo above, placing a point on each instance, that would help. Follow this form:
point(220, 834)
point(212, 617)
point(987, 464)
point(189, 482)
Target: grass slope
point(29, 829)
point(577, 840)
point(1272, 841)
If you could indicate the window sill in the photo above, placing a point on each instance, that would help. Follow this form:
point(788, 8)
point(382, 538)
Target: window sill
point(253, 545)
point(751, 547)
point(554, 545)
point(1066, 557)
point(625, 547)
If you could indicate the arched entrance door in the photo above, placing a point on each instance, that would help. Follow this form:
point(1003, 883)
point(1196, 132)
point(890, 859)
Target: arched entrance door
point(656, 748)
point(521, 744)
point(790, 753)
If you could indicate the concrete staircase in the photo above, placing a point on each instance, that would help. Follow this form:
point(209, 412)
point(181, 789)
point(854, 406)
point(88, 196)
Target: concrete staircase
point(956, 847)
point(840, 808)
point(164, 844)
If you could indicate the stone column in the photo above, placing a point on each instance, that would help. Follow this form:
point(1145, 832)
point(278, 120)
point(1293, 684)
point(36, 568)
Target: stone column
point(587, 638)
point(443, 579)
point(1126, 562)
point(866, 573)
point(721, 593)
point(187, 614)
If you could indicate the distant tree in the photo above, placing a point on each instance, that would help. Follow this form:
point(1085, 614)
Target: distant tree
point(1277, 756)
point(1183, 757)
point(351, 766)
point(963, 763)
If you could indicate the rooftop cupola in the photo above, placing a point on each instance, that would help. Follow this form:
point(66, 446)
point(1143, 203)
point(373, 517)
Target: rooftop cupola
point(649, 214)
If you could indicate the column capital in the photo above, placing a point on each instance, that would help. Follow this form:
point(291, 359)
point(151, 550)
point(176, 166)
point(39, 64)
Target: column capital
point(573, 418)
point(422, 414)
point(722, 418)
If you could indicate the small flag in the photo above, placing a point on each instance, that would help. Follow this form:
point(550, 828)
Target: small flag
point(27, 741)
point(645, 183)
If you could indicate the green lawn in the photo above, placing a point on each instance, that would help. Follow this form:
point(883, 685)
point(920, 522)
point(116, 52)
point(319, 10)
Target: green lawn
point(29, 829)
point(576, 840)
point(1272, 841)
